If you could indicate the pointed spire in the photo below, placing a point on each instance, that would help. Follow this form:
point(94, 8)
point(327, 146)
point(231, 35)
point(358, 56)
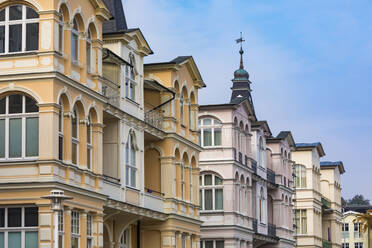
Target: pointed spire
point(241, 40)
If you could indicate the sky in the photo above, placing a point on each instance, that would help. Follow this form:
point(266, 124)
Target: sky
point(309, 63)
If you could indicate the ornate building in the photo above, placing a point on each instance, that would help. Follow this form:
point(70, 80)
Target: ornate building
point(246, 182)
point(80, 115)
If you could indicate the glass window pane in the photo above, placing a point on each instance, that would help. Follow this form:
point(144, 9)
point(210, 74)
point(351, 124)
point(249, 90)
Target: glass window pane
point(60, 148)
point(74, 153)
point(2, 39)
point(2, 245)
point(14, 239)
point(31, 217)
point(208, 204)
point(89, 151)
point(2, 105)
point(201, 199)
point(32, 137)
point(60, 241)
point(127, 175)
point(217, 136)
point(89, 134)
point(219, 244)
point(207, 122)
point(15, 38)
point(74, 125)
point(133, 178)
point(2, 217)
point(32, 36)
point(218, 199)
point(2, 15)
point(31, 240)
point(15, 12)
point(88, 53)
point(31, 14)
point(15, 138)
point(2, 138)
point(208, 244)
point(14, 217)
point(31, 105)
point(217, 180)
point(15, 104)
point(208, 180)
point(75, 243)
point(216, 122)
point(207, 137)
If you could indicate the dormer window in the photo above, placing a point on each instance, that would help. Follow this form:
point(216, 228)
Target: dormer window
point(19, 29)
point(210, 132)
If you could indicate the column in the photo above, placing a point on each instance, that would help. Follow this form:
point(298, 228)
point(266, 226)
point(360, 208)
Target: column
point(98, 230)
point(168, 239)
point(97, 139)
point(67, 224)
point(168, 177)
point(48, 130)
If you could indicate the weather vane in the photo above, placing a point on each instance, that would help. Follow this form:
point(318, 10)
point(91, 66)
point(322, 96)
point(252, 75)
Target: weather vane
point(240, 40)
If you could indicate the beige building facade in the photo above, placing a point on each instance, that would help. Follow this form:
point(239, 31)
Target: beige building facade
point(317, 201)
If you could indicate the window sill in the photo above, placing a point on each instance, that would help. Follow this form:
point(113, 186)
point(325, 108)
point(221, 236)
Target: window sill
point(16, 160)
point(132, 188)
point(211, 211)
point(18, 54)
point(132, 101)
point(77, 64)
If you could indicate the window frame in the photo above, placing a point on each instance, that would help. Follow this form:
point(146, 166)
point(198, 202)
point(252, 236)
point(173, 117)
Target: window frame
point(215, 124)
point(75, 226)
point(300, 219)
point(130, 81)
point(75, 33)
point(61, 32)
point(130, 162)
point(301, 181)
point(89, 231)
point(23, 21)
point(212, 187)
point(60, 130)
point(22, 229)
point(75, 140)
point(203, 245)
point(89, 52)
point(61, 229)
point(89, 144)
point(23, 116)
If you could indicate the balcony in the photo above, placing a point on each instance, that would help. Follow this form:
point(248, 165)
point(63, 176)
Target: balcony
point(155, 119)
point(271, 176)
point(112, 91)
point(153, 202)
point(254, 225)
point(326, 203)
point(254, 166)
point(271, 230)
point(326, 244)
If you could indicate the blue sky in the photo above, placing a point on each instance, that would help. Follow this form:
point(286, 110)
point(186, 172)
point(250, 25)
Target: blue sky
point(309, 61)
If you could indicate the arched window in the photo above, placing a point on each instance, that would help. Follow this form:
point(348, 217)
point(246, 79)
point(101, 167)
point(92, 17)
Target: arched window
point(125, 239)
point(75, 42)
point(75, 136)
point(60, 32)
point(130, 160)
point(211, 192)
point(300, 176)
point(130, 80)
point(210, 132)
point(89, 143)
point(89, 51)
point(19, 29)
point(60, 131)
point(19, 127)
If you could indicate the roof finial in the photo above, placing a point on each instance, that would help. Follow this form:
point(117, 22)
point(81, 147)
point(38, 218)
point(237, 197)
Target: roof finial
point(241, 40)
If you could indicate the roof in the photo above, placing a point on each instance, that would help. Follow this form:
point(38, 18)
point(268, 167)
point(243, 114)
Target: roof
point(306, 146)
point(282, 136)
point(107, 53)
point(329, 164)
point(176, 61)
point(262, 124)
point(357, 208)
point(118, 21)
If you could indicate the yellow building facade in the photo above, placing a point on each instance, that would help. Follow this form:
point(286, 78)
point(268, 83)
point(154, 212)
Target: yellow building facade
point(77, 115)
point(353, 233)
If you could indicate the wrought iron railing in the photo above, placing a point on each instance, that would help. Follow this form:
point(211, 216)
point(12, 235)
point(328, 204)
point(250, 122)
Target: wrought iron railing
point(154, 119)
point(151, 191)
point(254, 225)
point(326, 244)
point(271, 230)
point(326, 203)
point(271, 176)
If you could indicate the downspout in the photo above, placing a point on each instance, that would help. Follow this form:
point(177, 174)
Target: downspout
point(139, 234)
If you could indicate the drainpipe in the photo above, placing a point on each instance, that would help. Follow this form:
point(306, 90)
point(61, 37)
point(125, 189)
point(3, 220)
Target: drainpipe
point(139, 234)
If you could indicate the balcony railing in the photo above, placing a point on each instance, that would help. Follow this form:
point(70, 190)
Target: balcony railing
point(151, 191)
point(254, 166)
point(271, 230)
point(112, 92)
point(254, 225)
point(154, 119)
point(326, 203)
point(271, 176)
point(326, 244)
point(240, 157)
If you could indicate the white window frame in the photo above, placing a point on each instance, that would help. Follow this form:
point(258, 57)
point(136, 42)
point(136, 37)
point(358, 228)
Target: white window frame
point(89, 144)
point(202, 243)
point(130, 83)
point(215, 124)
point(89, 231)
point(129, 147)
point(75, 140)
point(22, 21)
point(23, 229)
point(301, 216)
point(61, 32)
point(60, 125)
point(61, 228)
point(23, 116)
point(89, 53)
point(75, 34)
point(300, 170)
point(357, 233)
point(75, 226)
point(212, 187)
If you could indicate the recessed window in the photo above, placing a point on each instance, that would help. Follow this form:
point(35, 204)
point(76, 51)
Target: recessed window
point(75, 42)
point(75, 229)
point(60, 131)
point(211, 192)
point(212, 244)
point(130, 81)
point(301, 221)
point(61, 229)
point(19, 29)
point(300, 176)
point(130, 160)
point(89, 51)
point(89, 143)
point(19, 227)
point(75, 136)
point(60, 32)
point(19, 127)
point(210, 132)
point(89, 231)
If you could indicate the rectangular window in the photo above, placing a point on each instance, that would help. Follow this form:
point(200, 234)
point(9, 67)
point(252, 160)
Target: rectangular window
point(15, 138)
point(2, 138)
point(60, 229)
point(220, 244)
point(32, 36)
point(218, 199)
point(2, 245)
point(75, 229)
point(208, 202)
point(32, 136)
point(217, 136)
point(74, 47)
point(14, 217)
point(209, 244)
point(74, 153)
point(14, 240)
point(207, 137)
point(201, 199)
point(15, 38)
point(31, 217)
point(89, 231)
point(301, 221)
point(2, 39)
point(88, 53)
point(31, 240)
point(2, 217)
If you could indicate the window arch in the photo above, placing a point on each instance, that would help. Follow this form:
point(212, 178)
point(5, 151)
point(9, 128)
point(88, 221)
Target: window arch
point(75, 41)
point(300, 176)
point(130, 79)
point(60, 130)
point(130, 161)
point(19, 127)
point(19, 29)
point(211, 192)
point(210, 132)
